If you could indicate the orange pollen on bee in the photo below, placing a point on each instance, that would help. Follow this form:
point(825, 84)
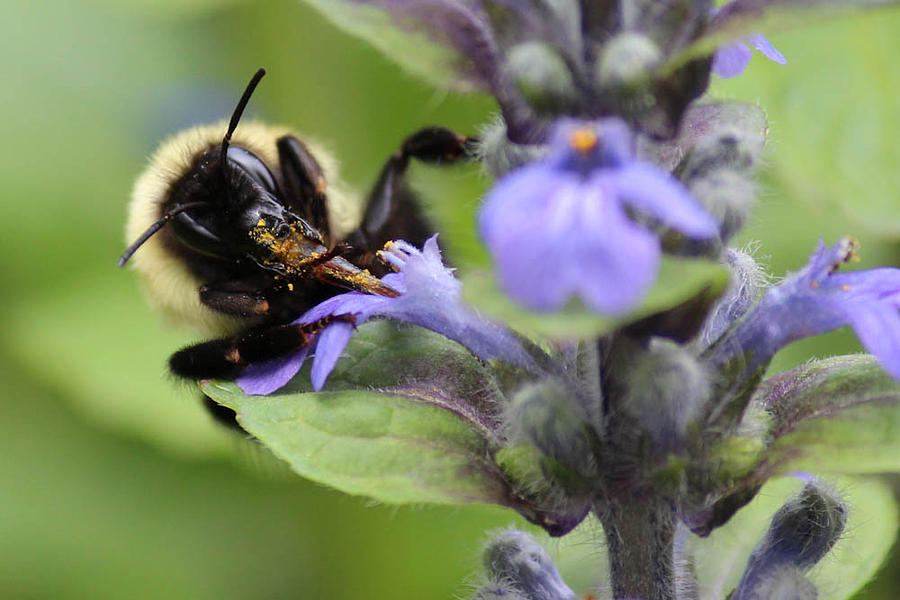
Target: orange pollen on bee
point(262, 235)
point(845, 287)
point(290, 287)
point(583, 140)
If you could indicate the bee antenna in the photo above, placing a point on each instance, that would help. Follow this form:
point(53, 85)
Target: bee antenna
point(154, 228)
point(239, 110)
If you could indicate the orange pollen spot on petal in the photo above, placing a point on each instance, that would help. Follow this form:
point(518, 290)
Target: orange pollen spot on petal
point(845, 287)
point(814, 284)
point(583, 140)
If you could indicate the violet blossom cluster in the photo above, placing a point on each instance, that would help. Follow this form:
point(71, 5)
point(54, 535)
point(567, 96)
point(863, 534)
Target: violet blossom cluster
point(609, 165)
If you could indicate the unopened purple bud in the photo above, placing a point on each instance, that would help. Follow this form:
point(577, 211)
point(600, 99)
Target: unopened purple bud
point(516, 558)
point(800, 535)
point(785, 583)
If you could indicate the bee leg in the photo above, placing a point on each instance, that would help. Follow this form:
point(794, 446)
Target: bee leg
point(225, 358)
point(238, 298)
point(392, 210)
point(303, 181)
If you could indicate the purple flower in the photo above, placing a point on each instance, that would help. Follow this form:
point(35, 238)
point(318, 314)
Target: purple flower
point(429, 298)
point(731, 59)
point(519, 567)
point(558, 227)
point(817, 300)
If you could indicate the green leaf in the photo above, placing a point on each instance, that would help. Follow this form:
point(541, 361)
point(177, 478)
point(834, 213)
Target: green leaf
point(384, 446)
point(419, 364)
point(679, 280)
point(703, 119)
point(839, 415)
point(415, 51)
point(722, 557)
point(409, 418)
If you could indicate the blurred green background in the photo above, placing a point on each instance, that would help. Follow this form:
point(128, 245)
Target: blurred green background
point(113, 482)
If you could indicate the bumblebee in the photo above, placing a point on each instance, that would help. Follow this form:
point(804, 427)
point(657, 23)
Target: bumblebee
point(240, 235)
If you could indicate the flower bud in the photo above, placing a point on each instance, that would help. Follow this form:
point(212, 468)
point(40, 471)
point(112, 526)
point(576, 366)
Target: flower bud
point(628, 61)
point(801, 534)
point(516, 559)
point(624, 73)
point(542, 77)
point(663, 392)
point(719, 173)
point(728, 196)
point(729, 148)
point(785, 583)
point(545, 416)
point(806, 527)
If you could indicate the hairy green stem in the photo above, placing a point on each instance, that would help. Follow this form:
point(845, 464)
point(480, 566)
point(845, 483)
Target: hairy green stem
point(640, 536)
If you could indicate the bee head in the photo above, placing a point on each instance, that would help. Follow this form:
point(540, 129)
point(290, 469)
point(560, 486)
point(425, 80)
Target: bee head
point(227, 205)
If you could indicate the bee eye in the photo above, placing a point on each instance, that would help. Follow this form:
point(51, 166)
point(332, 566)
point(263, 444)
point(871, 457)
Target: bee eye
point(247, 163)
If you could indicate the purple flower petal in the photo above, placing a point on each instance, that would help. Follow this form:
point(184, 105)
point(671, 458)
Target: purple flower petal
point(261, 379)
point(329, 347)
point(817, 300)
point(572, 240)
point(557, 228)
point(619, 262)
point(731, 59)
point(759, 41)
point(530, 223)
point(661, 196)
point(430, 298)
point(882, 285)
point(433, 301)
point(878, 328)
